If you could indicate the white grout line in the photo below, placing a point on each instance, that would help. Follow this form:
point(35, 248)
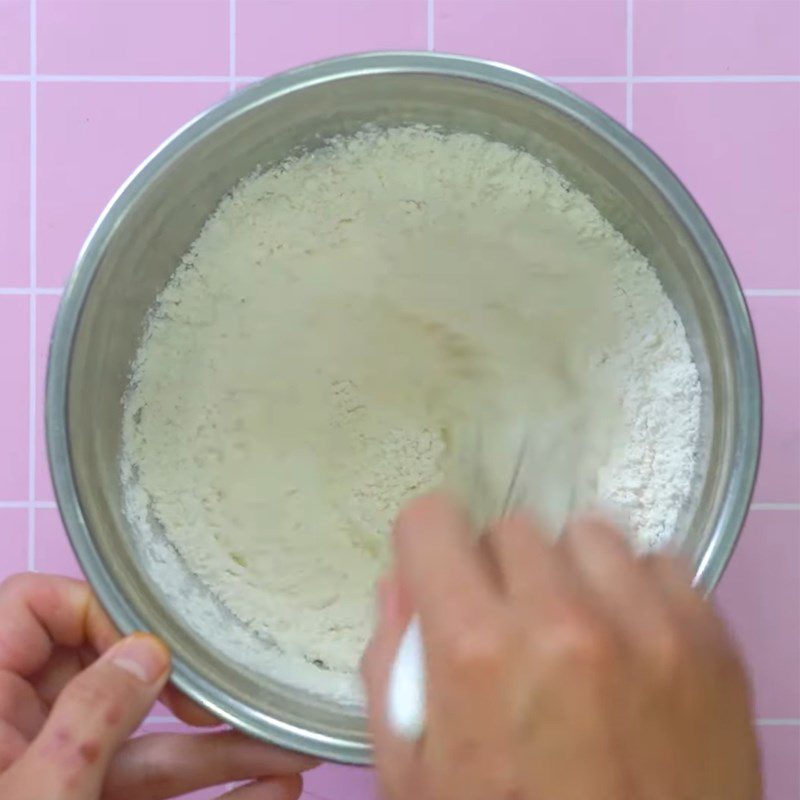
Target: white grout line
point(26, 504)
point(431, 25)
point(775, 506)
point(32, 305)
point(130, 78)
point(629, 66)
point(788, 722)
point(772, 292)
point(717, 79)
point(714, 79)
point(56, 291)
point(587, 78)
point(232, 46)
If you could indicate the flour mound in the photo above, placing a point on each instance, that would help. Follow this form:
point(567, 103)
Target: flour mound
point(324, 350)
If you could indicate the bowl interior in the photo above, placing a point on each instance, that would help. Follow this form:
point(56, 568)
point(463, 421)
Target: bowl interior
point(140, 241)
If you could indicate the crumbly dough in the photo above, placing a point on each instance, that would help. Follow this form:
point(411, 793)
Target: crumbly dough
point(345, 332)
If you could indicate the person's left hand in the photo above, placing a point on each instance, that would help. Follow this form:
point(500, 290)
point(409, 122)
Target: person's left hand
point(71, 693)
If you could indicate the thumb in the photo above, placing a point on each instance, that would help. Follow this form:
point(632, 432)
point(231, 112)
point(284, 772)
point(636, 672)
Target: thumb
point(94, 714)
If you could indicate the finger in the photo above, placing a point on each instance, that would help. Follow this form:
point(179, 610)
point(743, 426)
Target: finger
point(163, 765)
point(289, 788)
point(673, 577)
point(186, 710)
point(529, 568)
point(615, 578)
point(392, 753)
point(12, 745)
point(94, 714)
point(439, 565)
point(20, 706)
point(39, 612)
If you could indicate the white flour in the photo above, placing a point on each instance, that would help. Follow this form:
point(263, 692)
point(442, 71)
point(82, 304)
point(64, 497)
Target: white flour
point(318, 357)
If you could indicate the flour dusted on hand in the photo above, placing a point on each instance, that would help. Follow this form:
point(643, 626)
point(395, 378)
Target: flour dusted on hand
point(320, 353)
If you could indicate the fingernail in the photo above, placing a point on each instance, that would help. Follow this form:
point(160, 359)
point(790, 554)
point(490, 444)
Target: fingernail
point(141, 655)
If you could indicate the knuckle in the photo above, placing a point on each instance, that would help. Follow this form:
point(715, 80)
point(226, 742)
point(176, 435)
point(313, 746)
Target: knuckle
point(478, 648)
point(581, 641)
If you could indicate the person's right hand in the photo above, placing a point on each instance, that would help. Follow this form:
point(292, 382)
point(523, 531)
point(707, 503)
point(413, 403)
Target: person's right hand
point(557, 671)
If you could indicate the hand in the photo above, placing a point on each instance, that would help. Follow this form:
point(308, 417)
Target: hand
point(72, 692)
point(557, 671)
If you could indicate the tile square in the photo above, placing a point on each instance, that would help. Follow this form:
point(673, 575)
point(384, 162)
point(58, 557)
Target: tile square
point(46, 307)
point(336, 782)
point(14, 396)
point(610, 97)
point(780, 752)
point(15, 37)
point(777, 324)
point(13, 541)
point(131, 37)
point(52, 550)
point(273, 35)
point(548, 37)
point(716, 37)
point(91, 137)
point(737, 148)
point(759, 595)
point(15, 183)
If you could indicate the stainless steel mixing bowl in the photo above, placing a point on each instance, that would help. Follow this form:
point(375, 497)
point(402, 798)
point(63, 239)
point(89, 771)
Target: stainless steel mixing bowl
point(141, 236)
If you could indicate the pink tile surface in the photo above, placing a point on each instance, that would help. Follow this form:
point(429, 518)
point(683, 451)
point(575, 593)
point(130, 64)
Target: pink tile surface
point(777, 324)
point(760, 596)
point(14, 36)
point(14, 380)
point(716, 37)
point(270, 37)
point(742, 166)
point(735, 144)
point(14, 182)
point(13, 541)
point(131, 37)
point(91, 136)
point(780, 747)
point(53, 553)
point(542, 36)
point(279, 34)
